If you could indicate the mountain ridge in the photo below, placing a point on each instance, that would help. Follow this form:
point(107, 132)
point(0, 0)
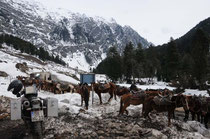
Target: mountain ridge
point(68, 34)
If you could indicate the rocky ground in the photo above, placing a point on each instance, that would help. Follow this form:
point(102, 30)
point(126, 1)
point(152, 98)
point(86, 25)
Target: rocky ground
point(108, 125)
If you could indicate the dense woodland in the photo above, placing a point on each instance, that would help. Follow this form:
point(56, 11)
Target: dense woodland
point(27, 47)
point(185, 65)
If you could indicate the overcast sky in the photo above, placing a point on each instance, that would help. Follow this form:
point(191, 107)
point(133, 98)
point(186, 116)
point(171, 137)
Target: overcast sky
point(155, 20)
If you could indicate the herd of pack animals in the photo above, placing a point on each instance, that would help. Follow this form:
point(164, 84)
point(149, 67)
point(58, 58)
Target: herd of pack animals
point(158, 100)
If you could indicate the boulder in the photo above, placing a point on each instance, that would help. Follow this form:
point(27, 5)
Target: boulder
point(3, 74)
point(22, 67)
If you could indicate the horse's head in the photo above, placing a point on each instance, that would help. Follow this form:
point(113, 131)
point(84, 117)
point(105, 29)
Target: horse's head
point(83, 87)
point(167, 92)
point(133, 87)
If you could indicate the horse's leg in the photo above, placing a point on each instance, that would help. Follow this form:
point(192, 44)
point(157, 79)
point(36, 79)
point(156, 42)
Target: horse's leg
point(193, 115)
point(81, 100)
point(115, 96)
point(206, 119)
point(186, 115)
point(146, 114)
point(126, 112)
point(111, 96)
point(202, 118)
point(121, 105)
point(169, 118)
point(173, 113)
point(99, 95)
point(124, 108)
point(86, 98)
point(86, 103)
point(198, 117)
point(148, 108)
point(143, 109)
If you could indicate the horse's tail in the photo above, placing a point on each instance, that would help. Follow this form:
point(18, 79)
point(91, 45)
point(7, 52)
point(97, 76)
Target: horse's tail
point(115, 94)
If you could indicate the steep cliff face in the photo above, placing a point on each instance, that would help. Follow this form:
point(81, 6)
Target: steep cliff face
point(64, 32)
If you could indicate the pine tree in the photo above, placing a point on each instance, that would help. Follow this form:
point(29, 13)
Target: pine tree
point(199, 53)
point(139, 54)
point(186, 70)
point(172, 60)
point(139, 61)
point(152, 63)
point(128, 61)
point(112, 65)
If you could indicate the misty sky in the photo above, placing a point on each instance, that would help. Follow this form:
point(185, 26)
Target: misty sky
point(155, 20)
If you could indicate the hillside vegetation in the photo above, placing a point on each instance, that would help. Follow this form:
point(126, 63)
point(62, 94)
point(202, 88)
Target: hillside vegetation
point(27, 47)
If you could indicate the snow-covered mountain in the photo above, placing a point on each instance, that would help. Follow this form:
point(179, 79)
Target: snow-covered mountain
point(72, 35)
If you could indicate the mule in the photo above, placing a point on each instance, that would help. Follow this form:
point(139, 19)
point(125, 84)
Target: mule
point(151, 105)
point(105, 88)
point(131, 99)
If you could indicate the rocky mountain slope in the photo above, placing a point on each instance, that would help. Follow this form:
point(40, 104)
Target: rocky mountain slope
point(71, 35)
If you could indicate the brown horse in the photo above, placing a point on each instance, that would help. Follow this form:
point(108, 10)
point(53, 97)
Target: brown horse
point(151, 105)
point(83, 90)
point(121, 91)
point(104, 88)
point(181, 101)
point(194, 103)
point(131, 99)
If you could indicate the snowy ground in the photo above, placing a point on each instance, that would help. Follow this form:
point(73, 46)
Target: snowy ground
point(100, 121)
